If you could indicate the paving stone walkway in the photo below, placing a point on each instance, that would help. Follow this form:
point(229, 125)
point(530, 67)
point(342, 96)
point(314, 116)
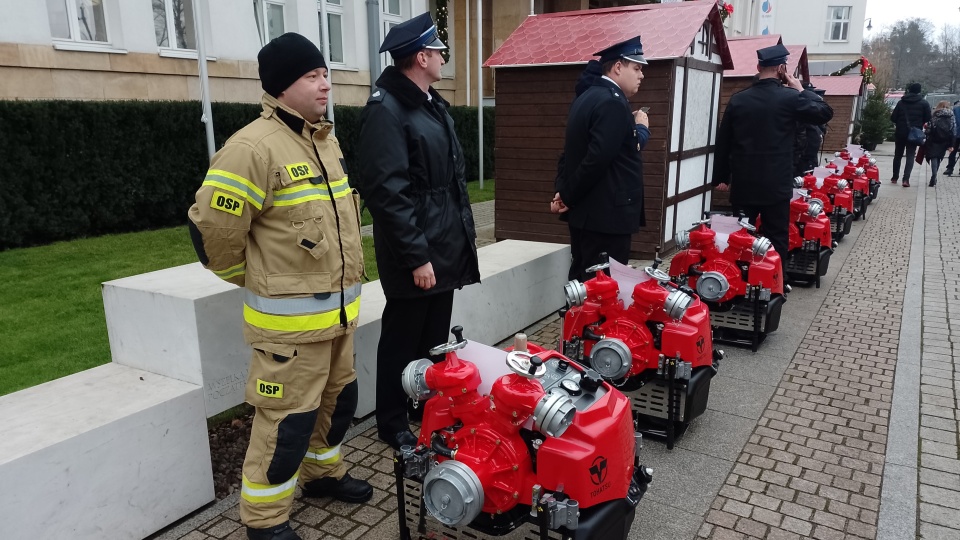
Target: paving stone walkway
point(813, 465)
point(843, 425)
point(939, 449)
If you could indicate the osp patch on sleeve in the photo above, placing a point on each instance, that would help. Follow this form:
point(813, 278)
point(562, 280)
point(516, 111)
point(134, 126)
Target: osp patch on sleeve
point(226, 203)
point(269, 389)
point(299, 171)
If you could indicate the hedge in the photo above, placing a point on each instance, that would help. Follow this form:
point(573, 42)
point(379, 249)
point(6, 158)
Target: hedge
point(72, 169)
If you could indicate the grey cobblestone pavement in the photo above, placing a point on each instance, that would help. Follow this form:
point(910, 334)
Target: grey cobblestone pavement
point(843, 425)
point(939, 450)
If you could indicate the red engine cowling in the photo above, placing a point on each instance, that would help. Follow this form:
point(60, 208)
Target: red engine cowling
point(808, 224)
point(479, 449)
point(718, 277)
point(624, 342)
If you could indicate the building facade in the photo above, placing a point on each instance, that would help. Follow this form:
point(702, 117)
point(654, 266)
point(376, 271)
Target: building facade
point(146, 49)
point(832, 30)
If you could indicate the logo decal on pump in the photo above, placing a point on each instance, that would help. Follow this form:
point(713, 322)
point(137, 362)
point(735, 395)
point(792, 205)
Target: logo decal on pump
point(598, 470)
point(299, 171)
point(269, 389)
point(700, 344)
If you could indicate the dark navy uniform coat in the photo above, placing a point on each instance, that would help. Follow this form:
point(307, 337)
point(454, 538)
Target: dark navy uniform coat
point(755, 143)
point(602, 179)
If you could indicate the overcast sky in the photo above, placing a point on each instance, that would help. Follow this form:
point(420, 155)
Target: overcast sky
point(887, 12)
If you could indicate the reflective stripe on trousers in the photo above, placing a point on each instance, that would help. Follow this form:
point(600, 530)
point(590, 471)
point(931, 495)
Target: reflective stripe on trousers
point(261, 493)
point(323, 456)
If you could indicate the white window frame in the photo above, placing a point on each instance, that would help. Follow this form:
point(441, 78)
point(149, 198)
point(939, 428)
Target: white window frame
point(343, 9)
point(74, 43)
point(263, 6)
point(388, 19)
point(832, 23)
point(172, 49)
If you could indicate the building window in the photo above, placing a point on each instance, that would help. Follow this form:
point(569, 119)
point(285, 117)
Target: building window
point(391, 7)
point(78, 20)
point(335, 25)
point(393, 12)
point(838, 22)
point(269, 19)
point(174, 18)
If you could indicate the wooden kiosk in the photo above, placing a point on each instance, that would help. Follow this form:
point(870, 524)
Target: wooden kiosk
point(536, 70)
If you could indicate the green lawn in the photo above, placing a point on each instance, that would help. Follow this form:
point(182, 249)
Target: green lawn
point(51, 309)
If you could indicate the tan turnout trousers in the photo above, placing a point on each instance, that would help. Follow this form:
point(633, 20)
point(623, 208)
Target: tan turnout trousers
point(292, 397)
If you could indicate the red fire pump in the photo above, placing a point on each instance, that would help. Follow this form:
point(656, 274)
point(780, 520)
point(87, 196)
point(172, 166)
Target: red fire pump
point(659, 347)
point(837, 199)
point(741, 284)
point(810, 241)
point(870, 169)
point(860, 186)
point(547, 445)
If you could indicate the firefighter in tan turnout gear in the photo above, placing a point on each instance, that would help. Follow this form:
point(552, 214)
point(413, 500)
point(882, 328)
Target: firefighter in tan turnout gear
point(276, 215)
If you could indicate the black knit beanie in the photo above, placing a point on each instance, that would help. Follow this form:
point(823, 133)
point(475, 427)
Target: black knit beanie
point(914, 88)
point(286, 59)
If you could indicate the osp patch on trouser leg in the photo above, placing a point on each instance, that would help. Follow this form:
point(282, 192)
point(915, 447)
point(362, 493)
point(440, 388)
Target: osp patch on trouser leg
point(285, 385)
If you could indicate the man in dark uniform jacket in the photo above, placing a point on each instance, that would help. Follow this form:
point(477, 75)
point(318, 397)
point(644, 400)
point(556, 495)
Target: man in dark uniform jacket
point(807, 152)
point(601, 188)
point(412, 180)
point(755, 144)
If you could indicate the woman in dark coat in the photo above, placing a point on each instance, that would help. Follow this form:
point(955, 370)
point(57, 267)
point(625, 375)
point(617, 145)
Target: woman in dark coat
point(939, 131)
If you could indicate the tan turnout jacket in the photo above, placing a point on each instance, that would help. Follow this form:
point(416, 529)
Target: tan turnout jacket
point(276, 215)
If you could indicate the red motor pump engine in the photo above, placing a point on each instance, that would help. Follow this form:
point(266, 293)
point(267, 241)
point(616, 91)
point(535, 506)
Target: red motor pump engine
point(550, 444)
point(870, 170)
point(741, 284)
point(837, 199)
point(811, 243)
point(860, 186)
point(659, 344)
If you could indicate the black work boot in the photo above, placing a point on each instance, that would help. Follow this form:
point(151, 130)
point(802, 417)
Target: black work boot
point(346, 489)
point(277, 532)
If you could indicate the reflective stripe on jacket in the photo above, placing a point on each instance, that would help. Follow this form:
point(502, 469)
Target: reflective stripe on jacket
point(275, 213)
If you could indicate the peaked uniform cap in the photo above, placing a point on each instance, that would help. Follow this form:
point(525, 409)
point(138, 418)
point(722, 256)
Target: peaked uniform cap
point(772, 56)
point(409, 37)
point(631, 49)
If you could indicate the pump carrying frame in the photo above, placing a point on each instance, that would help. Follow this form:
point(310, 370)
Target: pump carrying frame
point(808, 263)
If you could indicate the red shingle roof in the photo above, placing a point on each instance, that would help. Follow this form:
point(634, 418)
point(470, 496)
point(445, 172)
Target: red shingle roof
point(571, 37)
point(798, 56)
point(743, 50)
point(841, 85)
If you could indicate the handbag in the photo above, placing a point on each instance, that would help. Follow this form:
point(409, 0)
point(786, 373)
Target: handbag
point(915, 136)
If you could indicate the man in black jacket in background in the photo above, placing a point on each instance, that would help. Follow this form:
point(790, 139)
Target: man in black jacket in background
point(755, 144)
point(601, 186)
point(912, 111)
point(412, 180)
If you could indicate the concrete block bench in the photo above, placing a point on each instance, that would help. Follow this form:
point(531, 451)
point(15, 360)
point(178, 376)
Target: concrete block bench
point(185, 323)
point(111, 452)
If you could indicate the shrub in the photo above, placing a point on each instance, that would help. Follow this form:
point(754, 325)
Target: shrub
point(875, 125)
point(83, 168)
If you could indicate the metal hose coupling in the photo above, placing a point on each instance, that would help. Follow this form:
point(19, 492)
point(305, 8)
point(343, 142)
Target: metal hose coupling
point(816, 206)
point(553, 414)
point(575, 292)
point(761, 245)
point(677, 303)
point(414, 379)
point(842, 184)
point(682, 239)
